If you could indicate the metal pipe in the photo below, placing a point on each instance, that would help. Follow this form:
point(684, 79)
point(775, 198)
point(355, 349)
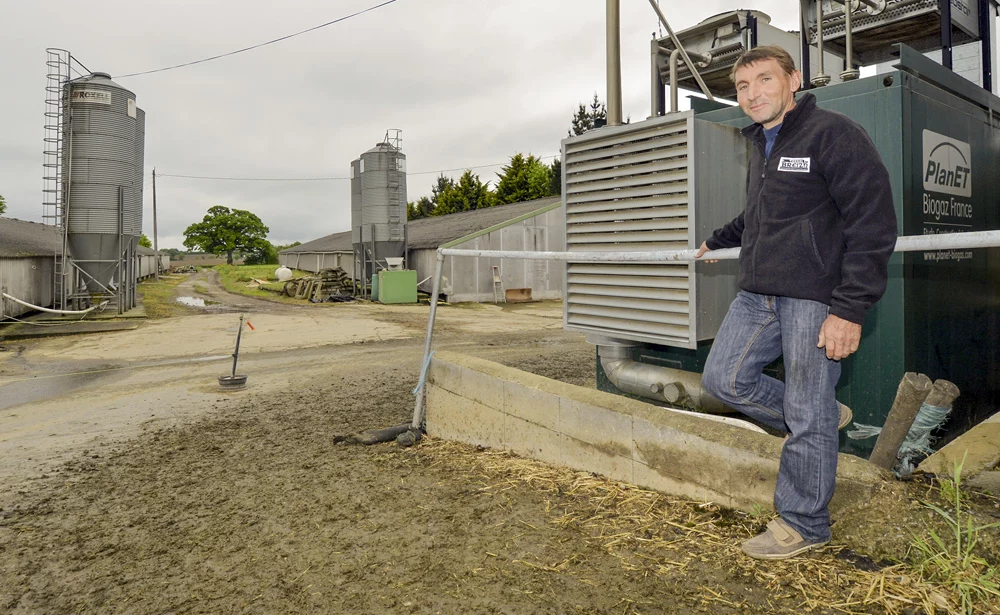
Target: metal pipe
point(821, 77)
point(850, 73)
point(644, 380)
point(614, 63)
point(876, 6)
point(656, 102)
point(912, 243)
point(121, 234)
point(99, 306)
point(837, 17)
point(236, 353)
point(677, 45)
point(673, 79)
point(418, 410)
point(705, 59)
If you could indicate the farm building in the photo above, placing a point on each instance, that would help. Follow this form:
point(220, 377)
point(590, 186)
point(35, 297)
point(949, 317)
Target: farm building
point(531, 225)
point(27, 263)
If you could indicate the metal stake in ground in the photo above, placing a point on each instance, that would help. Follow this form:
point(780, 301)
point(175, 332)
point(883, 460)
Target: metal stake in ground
point(235, 381)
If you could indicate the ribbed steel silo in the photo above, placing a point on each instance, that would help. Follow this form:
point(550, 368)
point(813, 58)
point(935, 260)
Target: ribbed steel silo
point(378, 209)
point(104, 175)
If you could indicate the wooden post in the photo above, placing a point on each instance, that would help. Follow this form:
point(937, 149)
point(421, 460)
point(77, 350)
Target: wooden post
point(913, 390)
point(942, 394)
point(156, 257)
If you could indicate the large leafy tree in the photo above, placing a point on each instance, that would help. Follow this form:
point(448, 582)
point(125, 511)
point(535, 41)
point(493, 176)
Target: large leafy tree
point(225, 231)
point(586, 117)
point(3, 205)
point(467, 194)
point(523, 179)
point(145, 242)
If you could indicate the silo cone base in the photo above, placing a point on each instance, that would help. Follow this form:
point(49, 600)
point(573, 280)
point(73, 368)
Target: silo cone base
point(233, 383)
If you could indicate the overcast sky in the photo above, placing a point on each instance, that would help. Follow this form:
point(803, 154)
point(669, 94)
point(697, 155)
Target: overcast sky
point(470, 83)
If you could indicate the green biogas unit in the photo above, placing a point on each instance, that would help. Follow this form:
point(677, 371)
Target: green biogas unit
point(938, 133)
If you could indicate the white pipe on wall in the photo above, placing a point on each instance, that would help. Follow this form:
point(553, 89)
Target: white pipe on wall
point(50, 311)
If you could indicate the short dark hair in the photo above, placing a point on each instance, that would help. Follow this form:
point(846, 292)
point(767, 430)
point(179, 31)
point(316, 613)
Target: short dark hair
point(764, 52)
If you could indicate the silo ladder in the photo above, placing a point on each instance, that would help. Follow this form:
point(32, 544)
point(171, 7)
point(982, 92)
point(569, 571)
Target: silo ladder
point(498, 291)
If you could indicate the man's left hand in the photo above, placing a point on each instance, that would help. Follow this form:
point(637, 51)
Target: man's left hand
point(840, 337)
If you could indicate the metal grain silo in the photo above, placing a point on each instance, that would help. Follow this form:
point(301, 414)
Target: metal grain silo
point(104, 171)
point(378, 209)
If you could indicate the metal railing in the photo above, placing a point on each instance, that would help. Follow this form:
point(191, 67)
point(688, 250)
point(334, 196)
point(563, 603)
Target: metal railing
point(915, 243)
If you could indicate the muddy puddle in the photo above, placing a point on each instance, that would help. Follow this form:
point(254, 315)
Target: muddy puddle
point(196, 301)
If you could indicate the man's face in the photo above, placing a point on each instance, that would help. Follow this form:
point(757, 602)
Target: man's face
point(766, 92)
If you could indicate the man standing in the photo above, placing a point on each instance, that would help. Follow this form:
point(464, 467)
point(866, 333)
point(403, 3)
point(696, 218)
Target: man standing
point(817, 232)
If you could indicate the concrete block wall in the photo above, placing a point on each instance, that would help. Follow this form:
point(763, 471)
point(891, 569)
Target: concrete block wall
point(480, 402)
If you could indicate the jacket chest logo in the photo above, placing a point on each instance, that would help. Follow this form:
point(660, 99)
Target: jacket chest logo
point(794, 165)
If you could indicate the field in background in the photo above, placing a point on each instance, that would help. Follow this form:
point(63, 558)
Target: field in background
point(238, 279)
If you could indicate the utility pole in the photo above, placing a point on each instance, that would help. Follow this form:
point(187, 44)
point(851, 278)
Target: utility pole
point(156, 257)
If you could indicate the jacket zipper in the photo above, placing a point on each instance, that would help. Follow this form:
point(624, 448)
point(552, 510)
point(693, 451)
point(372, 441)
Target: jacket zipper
point(760, 192)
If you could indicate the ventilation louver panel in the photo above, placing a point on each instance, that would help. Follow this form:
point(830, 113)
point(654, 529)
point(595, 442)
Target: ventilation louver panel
point(662, 184)
point(628, 190)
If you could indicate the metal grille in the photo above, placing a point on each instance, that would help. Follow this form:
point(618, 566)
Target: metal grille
point(630, 190)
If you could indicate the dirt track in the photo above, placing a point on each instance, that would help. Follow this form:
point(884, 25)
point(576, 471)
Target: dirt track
point(141, 489)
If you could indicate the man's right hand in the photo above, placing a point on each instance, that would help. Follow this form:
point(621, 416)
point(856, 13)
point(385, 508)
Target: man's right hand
point(701, 252)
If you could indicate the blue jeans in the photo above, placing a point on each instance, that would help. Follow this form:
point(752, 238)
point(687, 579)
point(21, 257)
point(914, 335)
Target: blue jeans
point(757, 330)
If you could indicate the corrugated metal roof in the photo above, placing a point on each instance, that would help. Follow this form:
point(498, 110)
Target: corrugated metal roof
point(434, 231)
point(23, 238)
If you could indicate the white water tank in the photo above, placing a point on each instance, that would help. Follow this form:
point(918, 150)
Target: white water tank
point(283, 274)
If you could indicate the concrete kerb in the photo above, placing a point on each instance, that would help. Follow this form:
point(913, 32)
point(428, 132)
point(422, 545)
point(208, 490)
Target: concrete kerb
point(484, 403)
point(979, 447)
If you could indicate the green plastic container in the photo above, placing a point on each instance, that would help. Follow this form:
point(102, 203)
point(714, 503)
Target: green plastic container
point(396, 286)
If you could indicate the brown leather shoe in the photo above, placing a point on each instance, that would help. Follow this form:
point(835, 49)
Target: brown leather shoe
point(779, 541)
point(846, 416)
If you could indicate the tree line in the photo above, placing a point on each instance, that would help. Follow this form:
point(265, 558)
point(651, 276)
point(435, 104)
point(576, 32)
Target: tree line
point(524, 178)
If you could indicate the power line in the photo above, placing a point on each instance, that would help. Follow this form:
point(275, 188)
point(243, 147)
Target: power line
point(277, 40)
point(324, 179)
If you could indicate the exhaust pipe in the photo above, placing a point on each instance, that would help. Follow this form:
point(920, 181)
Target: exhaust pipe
point(663, 384)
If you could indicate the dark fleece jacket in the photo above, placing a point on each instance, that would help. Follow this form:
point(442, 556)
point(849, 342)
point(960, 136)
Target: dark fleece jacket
point(819, 221)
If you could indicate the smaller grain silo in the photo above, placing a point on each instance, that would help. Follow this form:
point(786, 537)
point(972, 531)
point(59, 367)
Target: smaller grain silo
point(378, 207)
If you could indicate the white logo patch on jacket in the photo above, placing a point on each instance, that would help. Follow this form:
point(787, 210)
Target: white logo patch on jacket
point(794, 165)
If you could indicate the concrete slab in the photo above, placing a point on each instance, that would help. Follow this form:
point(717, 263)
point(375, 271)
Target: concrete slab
point(621, 438)
point(24, 330)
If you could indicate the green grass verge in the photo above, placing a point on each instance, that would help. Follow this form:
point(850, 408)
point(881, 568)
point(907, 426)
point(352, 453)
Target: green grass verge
point(234, 278)
point(158, 297)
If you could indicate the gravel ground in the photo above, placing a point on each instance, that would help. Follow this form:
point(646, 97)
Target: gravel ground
point(241, 503)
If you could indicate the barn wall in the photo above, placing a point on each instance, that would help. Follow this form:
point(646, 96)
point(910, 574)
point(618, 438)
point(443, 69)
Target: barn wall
point(27, 278)
point(472, 278)
point(317, 261)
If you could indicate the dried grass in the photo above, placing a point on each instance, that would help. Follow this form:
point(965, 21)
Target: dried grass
point(651, 533)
